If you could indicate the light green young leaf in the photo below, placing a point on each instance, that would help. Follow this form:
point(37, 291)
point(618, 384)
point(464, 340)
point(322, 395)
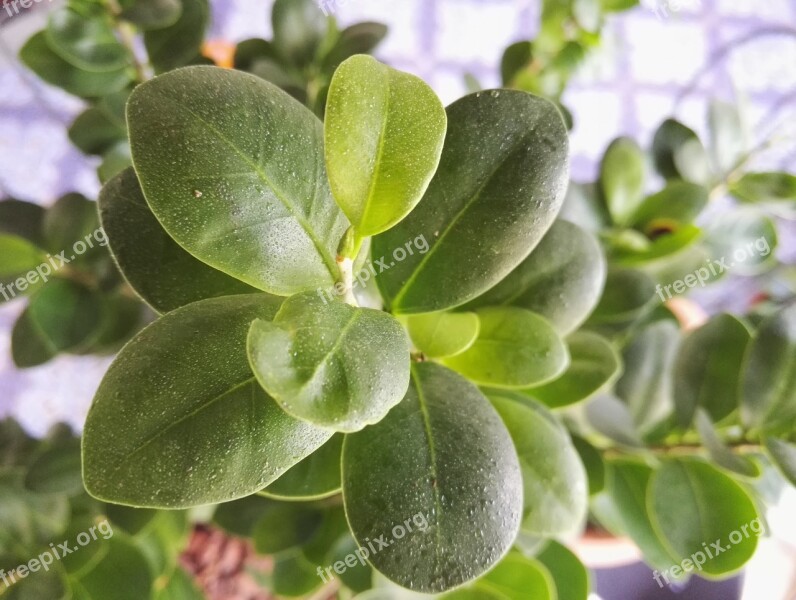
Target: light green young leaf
point(516, 576)
point(317, 360)
point(514, 348)
point(594, 364)
point(384, 131)
point(156, 267)
point(622, 175)
point(572, 579)
point(233, 169)
point(765, 187)
point(554, 480)
point(567, 263)
point(17, 257)
point(179, 420)
point(411, 469)
point(441, 334)
point(692, 505)
point(679, 203)
point(500, 182)
point(768, 383)
point(708, 368)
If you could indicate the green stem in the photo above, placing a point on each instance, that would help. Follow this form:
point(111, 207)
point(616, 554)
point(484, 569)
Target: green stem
point(126, 34)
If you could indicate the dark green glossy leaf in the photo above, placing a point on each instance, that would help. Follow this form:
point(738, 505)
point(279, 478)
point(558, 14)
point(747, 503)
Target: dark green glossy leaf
point(708, 369)
point(646, 383)
point(784, 454)
point(284, 526)
point(514, 348)
point(499, 185)
point(376, 118)
point(157, 268)
point(623, 509)
point(316, 360)
point(692, 505)
point(204, 432)
point(593, 463)
point(594, 364)
point(411, 470)
point(440, 334)
point(299, 27)
point(622, 175)
point(719, 452)
point(679, 154)
point(554, 481)
point(178, 44)
point(317, 476)
point(360, 38)
point(39, 58)
point(151, 14)
point(252, 198)
point(85, 38)
point(765, 187)
point(567, 264)
point(22, 219)
point(68, 315)
point(570, 575)
point(768, 383)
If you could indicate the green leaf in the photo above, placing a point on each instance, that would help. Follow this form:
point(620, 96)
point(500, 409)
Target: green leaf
point(554, 480)
point(783, 453)
point(593, 463)
point(28, 519)
point(203, 430)
point(316, 360)
point(132, 520)
point(178, 44)
point(22, 219)
point(94, 132)
point(315, 477)
point(293, 575)
point(157, 268)
point(594, 364)
point(39, 58)
point(679, 203)
point(357, 578)
point(647, 381)
point(299, 26)
point(441, 334)
point(384, 131)
point(622, 175)
point(29, 347)
point(50, 585)
point(765, 187)
point(18, 257)
point(623, 509)
point(360, 38)
point(253, 200)
point(719, 452)
point(239, 517)
point(56, 470)
point(284, 526)
point(662, 247)
point(745, 237)
point(180, 586)
point(68, 315)
point(85, 38)
point(151, 14)
point(727, 137)
point(411, 470)
point(626, 295)
point(516, 57)
point(692, 505)
point(499, 185)
point(572, 580)
point(768, 383)
point(708, 369)
point(515, 576)
point(115, 160)
point(123, 562)
point(514, 348)
point(611, 417)
point(679, 154)
point(73, 218)
point(584, 207)
point(568, 263)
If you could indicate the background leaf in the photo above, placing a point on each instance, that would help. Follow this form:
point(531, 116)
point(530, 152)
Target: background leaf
point(622, 175)
point(178, 44)
point(441, 334)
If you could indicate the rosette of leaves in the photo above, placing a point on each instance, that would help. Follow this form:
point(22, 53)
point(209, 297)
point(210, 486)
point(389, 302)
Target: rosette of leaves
point(281, 365)
point(306, 48)
point(57, 259)
point(46, 511)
